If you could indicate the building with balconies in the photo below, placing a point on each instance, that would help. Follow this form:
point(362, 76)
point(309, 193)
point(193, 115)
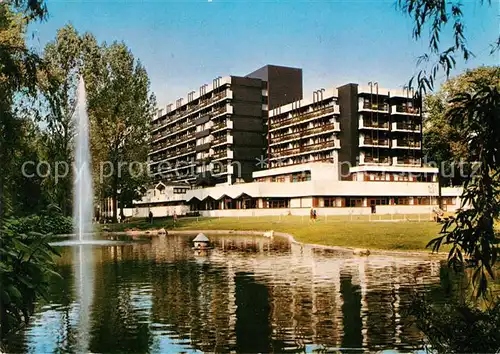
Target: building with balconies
point(380, 128)
point(348, 150)
point(217, 134)
point(304, 131)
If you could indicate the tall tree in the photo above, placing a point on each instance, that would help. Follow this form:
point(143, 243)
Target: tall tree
point(443, 142)
point(474, 241)
point(62, 58)
point(18, 68)
point(120, 107)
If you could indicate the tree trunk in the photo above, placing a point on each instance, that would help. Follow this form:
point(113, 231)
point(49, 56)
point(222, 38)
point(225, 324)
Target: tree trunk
point(115, 195)
point(115, 209)
point(440, 194)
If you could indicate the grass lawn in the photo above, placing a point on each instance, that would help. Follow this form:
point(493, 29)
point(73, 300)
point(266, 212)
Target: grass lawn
point(343, 231)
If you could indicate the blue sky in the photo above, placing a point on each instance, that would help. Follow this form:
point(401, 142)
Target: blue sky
point(184, 44)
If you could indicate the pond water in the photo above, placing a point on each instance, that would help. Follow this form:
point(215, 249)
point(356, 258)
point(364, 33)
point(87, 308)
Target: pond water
point(247, 294)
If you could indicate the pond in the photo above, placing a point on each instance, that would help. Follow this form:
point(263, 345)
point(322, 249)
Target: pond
point(247, 294)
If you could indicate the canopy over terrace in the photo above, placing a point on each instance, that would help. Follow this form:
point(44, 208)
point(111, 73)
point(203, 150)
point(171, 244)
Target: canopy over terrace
point(225, 201)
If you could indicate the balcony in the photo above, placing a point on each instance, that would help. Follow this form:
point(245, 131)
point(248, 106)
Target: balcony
point(367, 106)
point(404, 109)
point(406, 144)
point(365, 123)
point(369, 142)
point(224, 154)
point(305, 116)
point(326, 128)
point(228, 124)
point(406, 127)
point(174, 129)
point(407, 161)
point(219, 170)
point(224, 139)
point(329, 144)
point(370, 160)
point(178, 114)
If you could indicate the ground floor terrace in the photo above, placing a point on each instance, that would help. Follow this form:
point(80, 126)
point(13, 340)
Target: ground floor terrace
point(323, 205)
point(340, 198)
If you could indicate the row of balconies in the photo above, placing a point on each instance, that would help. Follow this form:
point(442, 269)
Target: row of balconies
point(224, 139)
point(389, 160)
point(366, 141)
point(159, 124)
point(224, 154)
point(190, 122)
point(305, 133)
point(172, 153)
point(226, 124)
point(384, 108)
point(365, 123)
point(296, 118)
point(329, 144)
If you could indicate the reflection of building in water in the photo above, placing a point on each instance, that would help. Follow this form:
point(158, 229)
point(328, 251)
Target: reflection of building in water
point(252, 294)
point(244, 289)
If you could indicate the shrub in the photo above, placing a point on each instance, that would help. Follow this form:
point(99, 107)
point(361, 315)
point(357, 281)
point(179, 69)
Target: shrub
point(25, 266)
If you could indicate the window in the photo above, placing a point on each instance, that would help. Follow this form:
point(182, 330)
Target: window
point(402, 201)
point(354, 202)
point(330, 202)
point(422, 201)
point(180, 190)
point(277, 203)
point(379, 201)
point(301, 176)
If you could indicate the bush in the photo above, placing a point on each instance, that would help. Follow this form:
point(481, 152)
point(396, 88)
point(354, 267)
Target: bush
point(48, 222)
point(25, 266)
point(458, 327)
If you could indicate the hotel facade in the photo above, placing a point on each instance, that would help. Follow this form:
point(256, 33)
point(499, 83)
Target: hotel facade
point(252, 145)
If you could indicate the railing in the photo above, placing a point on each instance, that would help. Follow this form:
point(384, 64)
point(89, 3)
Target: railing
point(376, 160)
point(217, 171)
point(302, 117)
point(306, 148)
point(219, 140)
point(406, 109)
point(407, 126)
point(408, 144)
point(376, 142)
point(375, 106)
point(177, 114)
point(375, 124)
point(408, 161)
point(305, 132)
point(219, 154)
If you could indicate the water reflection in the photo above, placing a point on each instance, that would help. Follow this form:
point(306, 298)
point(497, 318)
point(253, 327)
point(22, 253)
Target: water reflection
point(246, 295)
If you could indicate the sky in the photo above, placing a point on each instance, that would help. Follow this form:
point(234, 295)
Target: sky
point(184, 44)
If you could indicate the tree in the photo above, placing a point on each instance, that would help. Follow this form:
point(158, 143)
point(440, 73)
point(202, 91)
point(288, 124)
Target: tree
point(62, 58)
point(18, 69)
point(25, 259)
point(473, 115)
point(443, 143)
point(120, 108)
point(472, 235)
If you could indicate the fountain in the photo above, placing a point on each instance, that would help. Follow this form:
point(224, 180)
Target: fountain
point(82, 193)
point(82, 220)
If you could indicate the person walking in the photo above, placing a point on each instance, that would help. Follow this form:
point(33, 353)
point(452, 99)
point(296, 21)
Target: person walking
point(150, 217)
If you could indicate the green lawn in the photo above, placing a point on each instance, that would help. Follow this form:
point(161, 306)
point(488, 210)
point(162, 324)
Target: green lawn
point(343, 231)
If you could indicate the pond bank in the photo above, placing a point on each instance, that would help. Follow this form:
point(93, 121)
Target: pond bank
point(401, 237)
point(291, 239)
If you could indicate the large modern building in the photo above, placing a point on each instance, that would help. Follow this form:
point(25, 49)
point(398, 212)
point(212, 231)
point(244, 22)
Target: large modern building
point(216, 134)
point(249, 145)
